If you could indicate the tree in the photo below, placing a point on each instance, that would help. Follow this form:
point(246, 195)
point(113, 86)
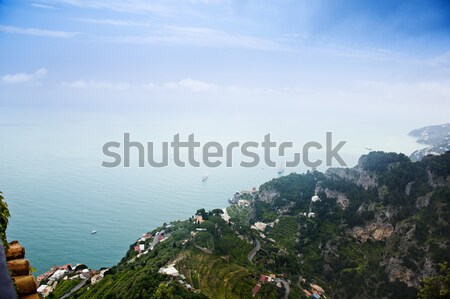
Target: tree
point(438, 286)
point(202, 212)
point(217, 212)
point(4, 216)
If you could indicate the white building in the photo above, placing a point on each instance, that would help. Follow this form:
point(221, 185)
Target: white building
point(243, 203)
point(41, 288)
point(169, 270)
point(259, 226)
point(58, 275)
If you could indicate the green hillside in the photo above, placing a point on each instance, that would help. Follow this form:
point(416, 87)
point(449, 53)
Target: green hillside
point(373, 231)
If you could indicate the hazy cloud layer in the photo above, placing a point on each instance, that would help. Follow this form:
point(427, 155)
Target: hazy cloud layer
point(24, 77)
point(38, 32)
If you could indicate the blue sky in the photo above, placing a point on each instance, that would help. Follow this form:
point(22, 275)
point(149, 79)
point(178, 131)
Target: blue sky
point(338, 57)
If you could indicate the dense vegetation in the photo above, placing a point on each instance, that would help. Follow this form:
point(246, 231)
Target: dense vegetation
point(385, 240)
point(64, 286)
point(404, 201)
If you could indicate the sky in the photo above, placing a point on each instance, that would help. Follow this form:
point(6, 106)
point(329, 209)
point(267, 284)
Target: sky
point(369, 61)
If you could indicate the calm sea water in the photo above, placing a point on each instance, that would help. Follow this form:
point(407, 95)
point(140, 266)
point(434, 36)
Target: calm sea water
point(58, 193)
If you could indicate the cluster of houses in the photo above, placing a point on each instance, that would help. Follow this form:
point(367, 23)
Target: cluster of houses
point(140, 243)
point(314, 292)
point(310, 214)
point(265, 279)
point(141, 247)
point(50, 279)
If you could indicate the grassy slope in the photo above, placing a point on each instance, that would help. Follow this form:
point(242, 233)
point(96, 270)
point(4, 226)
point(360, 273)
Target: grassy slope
point(63, 287)
point(284, 232)
point(217, 277)
point(225, 273)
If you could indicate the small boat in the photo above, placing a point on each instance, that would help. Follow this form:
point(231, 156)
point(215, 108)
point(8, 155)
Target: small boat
point(280, 170)
point(93, 232)
point(204, 178)
point(368, 148)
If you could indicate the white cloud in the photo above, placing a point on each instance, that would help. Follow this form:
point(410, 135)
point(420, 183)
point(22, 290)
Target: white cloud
point(40, 5)
point(24, 77)
point(113, 22)
point(164, 7)
point(201, 37)
point(93, 84)
point(38, 32)
point(190, 84)
point(130, 6)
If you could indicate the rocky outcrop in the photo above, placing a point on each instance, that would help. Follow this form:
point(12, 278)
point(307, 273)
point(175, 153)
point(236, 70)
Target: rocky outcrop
point(397, 272)
point(438, 181)
point(405, 267)
point(268, 195)
point(341, 198)
point(356, 175)
point(373, 231)
point(423, 201)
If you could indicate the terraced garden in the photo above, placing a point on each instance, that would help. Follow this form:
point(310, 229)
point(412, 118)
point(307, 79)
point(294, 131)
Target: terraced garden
point(284, 232)
point(216, 276)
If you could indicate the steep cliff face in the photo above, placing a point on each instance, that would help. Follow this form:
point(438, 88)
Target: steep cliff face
point(357, 175)
point(383, 224)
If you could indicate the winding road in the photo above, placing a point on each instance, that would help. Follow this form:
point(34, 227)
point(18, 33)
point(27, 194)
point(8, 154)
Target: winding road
point(252, 253)
point(76, 288)
point(286, 287)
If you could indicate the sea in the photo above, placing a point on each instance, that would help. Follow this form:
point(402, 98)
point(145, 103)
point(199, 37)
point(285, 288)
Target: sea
point(52, 177)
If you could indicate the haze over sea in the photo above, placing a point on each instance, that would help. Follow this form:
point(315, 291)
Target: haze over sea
point(58, 192)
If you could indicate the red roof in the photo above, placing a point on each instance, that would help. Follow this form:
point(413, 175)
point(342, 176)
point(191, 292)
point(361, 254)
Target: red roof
point(136, 248)
point(263, 278)
point(256, 289)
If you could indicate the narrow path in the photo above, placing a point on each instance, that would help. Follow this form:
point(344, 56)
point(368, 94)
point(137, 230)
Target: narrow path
point(252, 252)
point(205, 250)
point(154, 241)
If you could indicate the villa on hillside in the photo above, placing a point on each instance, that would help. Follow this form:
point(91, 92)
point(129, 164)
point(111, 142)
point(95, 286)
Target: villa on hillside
point(147, 236)
point(315, 292)
point(169, 270)
point(199, 219)
point(97, 277)
point(262, 279)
